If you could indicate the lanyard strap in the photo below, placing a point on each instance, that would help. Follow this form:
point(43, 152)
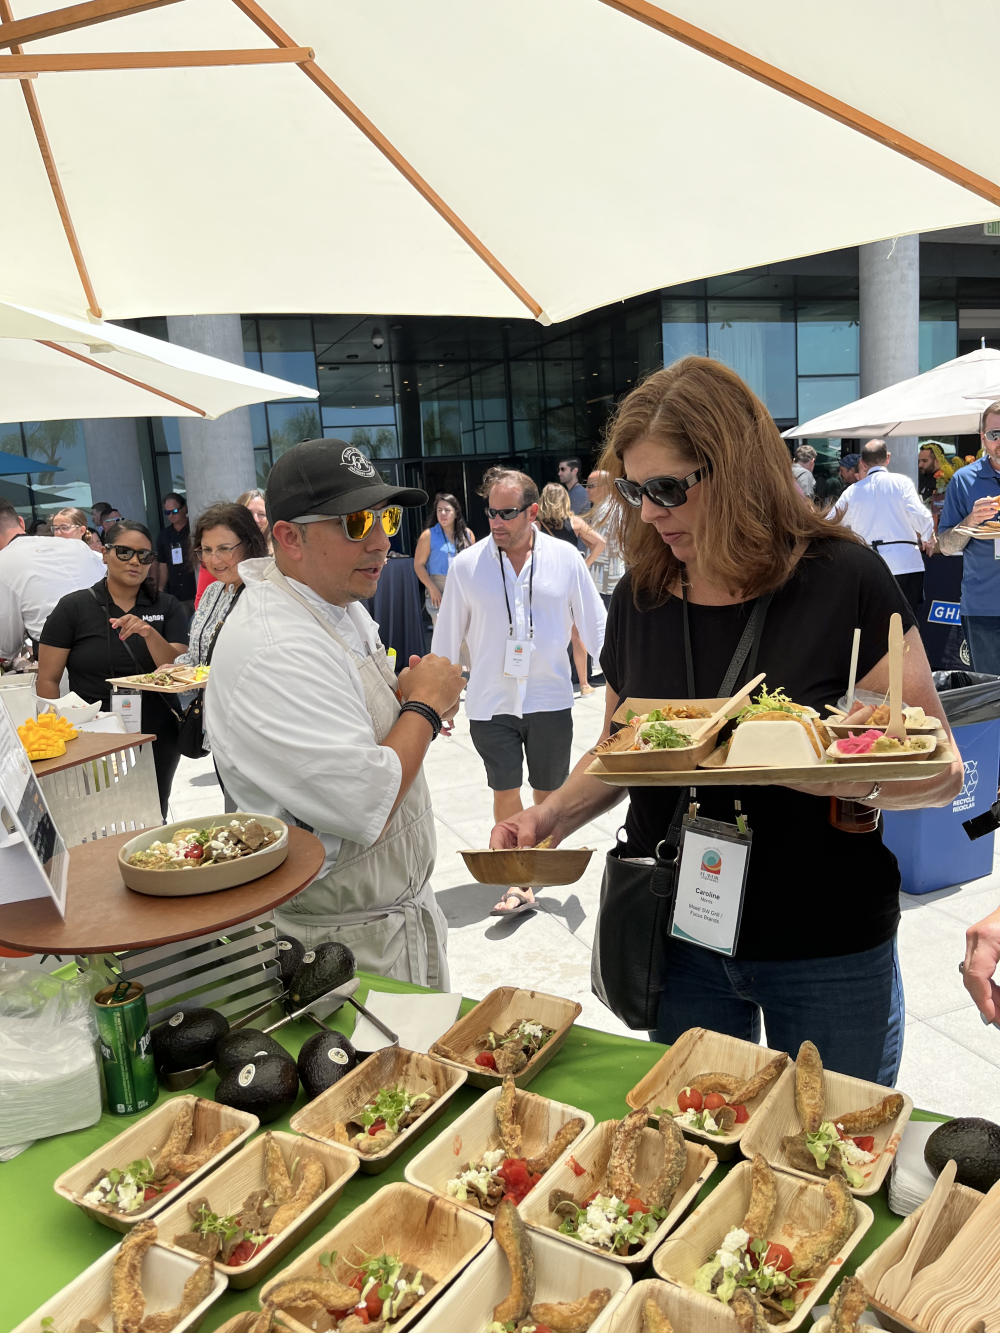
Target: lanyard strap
point(747, 646)
point(531, 581)
point(139, 669)
point(219, 624)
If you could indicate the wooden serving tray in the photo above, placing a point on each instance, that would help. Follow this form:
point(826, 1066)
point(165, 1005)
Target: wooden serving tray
point(700, 1051)
point(500, 1010)
point(714, 773)
point(593, 1154)
point(988, 536)
point(130, 683)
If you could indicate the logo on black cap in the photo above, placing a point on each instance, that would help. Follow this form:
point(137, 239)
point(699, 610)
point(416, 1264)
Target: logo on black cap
point(355, 460)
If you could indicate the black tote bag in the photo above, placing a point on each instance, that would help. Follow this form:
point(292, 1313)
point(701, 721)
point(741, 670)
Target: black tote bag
point(628, 962)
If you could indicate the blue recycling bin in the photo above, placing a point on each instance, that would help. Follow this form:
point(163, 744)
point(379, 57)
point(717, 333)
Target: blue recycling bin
point(932, 848)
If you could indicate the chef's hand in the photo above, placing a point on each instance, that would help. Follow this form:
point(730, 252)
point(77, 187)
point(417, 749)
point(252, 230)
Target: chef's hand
point(982, 953)
point(434, 681)
point(984, 508)
point(129, 625)
point(526, 829)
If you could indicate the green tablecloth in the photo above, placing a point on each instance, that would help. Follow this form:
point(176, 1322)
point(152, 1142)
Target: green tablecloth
point(45, 1242)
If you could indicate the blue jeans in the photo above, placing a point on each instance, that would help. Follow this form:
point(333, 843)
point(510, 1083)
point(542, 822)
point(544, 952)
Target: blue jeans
point(983, 636)
point(851, 1006)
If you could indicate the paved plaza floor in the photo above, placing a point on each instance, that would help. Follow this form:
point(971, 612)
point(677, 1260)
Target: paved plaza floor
point(951, 1061)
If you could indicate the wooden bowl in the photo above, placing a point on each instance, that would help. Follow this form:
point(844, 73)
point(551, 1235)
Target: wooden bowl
point(961, 1203)
point(500, 1010)
point(688, 1311)
point(467, 1306)
point(89, 1295)
point(699, 1051)
point(434, 1234)
point(206, 879)
point(802, 1208)
point(593, 1154)
point(528, 867)
point(388, 1066)
point(242, 1174)
point(145, 1138)
point(843, 1093)
point(475, 1132)
point(617, 755)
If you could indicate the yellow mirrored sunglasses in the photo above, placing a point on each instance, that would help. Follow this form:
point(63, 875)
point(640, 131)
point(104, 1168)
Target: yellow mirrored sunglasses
point(357, 526)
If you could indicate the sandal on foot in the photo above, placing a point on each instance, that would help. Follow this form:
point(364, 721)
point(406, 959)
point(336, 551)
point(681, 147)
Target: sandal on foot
point(524, 904)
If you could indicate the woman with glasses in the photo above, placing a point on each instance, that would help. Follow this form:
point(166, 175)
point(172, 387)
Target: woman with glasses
point(717, 543)
point(437, 547)
point(254, 502)
point(71, 524)
point(119, 628)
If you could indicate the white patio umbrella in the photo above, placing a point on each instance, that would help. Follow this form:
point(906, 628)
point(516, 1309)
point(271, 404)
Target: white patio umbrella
point(944, 401)
point(448, 156)
point(55, 368)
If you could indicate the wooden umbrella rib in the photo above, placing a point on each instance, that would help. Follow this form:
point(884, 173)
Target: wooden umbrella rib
point(326, 85)
point(711, 45)
point(71, 18)
point(96, 365)
point(15, 65)
point(55, 184)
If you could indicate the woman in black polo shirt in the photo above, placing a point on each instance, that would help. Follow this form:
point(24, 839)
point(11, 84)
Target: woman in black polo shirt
point(116, 628)
point(710, 522)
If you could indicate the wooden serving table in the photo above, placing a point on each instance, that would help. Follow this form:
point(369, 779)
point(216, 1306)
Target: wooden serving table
point(230, 954)
point(105, 783)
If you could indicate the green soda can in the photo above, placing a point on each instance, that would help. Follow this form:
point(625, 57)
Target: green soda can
point(126, 1047)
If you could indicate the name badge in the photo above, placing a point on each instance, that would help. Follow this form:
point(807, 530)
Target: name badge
point(517, 657)
point(176, 555)
point(127, 704)
point(711, 884)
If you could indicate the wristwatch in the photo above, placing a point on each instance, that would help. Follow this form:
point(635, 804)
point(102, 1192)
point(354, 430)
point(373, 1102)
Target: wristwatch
point(873, 795)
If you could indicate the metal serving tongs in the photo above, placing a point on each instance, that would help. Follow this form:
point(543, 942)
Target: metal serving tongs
point(183, 1078)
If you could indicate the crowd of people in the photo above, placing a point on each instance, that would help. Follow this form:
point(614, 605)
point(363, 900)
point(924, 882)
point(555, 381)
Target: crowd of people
point(693, 554)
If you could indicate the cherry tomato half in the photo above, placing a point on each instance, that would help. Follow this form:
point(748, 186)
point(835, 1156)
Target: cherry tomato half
point(713, 1101)
point(486, 1060)
point(375, 1126)
point(635, 1206)
point(575, 1167)
point(776, 1256)
point(742, 1114)
point(690, 1099)
point(373, 1304)
point(866, 1142)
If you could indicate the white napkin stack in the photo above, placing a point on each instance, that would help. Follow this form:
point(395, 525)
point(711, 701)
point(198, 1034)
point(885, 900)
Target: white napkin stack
point(910, 1180)
point(44, 1093)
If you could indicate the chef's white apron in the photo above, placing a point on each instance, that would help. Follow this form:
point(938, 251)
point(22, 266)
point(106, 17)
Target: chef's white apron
point(377, 900)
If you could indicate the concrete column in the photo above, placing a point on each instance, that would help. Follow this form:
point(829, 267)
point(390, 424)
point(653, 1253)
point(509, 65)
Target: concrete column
point(112, 446)
point(218, 455)
point(889, 273)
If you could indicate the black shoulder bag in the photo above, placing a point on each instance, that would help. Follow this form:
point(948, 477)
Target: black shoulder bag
point(628, 962)
point(191, 735)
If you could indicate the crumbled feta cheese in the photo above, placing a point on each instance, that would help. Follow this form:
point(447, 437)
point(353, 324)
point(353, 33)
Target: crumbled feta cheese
point(494, 1158)
point(732, 1248)
point(532, 1029)
point(689, 1118)
point(854, 1155)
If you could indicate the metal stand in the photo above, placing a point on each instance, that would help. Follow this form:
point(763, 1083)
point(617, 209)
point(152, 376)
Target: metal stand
point(100, 797)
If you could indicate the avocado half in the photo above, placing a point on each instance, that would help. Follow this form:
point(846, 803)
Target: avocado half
point(322, 969)
point(974, 1144)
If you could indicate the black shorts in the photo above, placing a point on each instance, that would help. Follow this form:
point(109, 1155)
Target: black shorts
point(545, 739)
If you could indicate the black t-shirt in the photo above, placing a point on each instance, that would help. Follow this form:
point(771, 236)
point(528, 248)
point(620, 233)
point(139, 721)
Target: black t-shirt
point(80, 622)
point(173, 549)
point(812, 891)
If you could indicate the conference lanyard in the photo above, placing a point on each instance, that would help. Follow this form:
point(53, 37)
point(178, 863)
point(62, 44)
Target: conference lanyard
point(531, 579)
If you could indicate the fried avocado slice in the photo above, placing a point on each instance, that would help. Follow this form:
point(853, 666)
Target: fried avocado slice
point(177, 1140)
point(512, 1236)
point(863, 1122)
point(276, 1177)
point(128, 1304)
point(747, 1309)
point(624, 1150)
point(763, 1198)
point(653, 1318)
point(196, 1288)
point(812, 1254)
point(311, 1186)
point(325, 1291)
point(763, 1078)
point(810, 1090)
point(727, 1084)
point(510, 1130)
point(570, 1131)
point(572, 1316)
point(185, 1164)
point(849, 1303)
point(664, 1187)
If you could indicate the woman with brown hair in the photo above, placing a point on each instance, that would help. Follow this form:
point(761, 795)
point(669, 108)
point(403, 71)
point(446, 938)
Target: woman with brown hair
point(556, 517)
point(715, 535)
point(70, 524)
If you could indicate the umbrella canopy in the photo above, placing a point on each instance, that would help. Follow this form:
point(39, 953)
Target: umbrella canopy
point(12, 465)
point(944, 401)
point(458, 158)
point(54, 367)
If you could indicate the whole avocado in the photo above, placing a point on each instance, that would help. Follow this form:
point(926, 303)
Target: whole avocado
point(323, 968)
point(324, 1059)
point(188, 1038)
point(265, 1086)
point(290, 954)
point(974, 1144)
point(242, 1044)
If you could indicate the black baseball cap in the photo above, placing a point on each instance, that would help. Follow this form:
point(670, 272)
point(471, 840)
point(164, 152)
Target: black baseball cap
point(329, 477)
point(850, 461)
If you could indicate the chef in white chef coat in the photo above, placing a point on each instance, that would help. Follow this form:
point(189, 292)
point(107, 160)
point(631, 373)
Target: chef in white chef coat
point(304, 721)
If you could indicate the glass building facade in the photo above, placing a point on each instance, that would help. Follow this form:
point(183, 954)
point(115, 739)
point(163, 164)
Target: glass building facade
point(436, 401)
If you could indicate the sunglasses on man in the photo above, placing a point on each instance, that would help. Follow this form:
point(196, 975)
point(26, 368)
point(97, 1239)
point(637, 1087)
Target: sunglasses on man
point(991, 435)
point(125, 553)
point(358, 525)
point(505, 514)
point(667, 492)
point(170, 512)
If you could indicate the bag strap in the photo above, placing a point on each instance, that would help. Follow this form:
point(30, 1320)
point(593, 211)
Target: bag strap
point(139, 668)
point(222, 620)
point(748, 645)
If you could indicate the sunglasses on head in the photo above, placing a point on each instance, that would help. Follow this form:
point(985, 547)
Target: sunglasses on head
point(125, 553)
point(667, 492)
point(505, 514)
point(358, 525)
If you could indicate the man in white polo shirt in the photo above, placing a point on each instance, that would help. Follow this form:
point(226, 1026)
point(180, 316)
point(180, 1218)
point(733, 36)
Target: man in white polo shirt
point(515, 599)
point(304, 721)
point(34, 573)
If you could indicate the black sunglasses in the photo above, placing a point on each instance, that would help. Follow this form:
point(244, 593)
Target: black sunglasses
point(667, 492)
point(506, 514)
point(173, 511)
point(125, 553)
